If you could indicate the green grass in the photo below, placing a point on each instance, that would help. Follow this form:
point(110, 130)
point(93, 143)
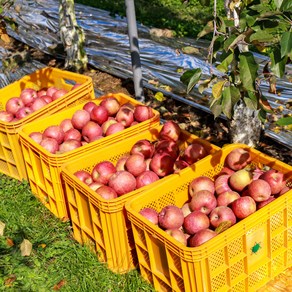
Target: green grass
point(185, 18)
point(57, 261)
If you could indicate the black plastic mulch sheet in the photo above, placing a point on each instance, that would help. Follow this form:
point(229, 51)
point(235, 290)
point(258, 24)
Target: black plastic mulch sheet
point(107, 47)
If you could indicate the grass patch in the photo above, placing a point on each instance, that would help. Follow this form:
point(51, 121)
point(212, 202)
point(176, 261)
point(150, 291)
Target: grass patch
point(57, 261)
point(185, 18)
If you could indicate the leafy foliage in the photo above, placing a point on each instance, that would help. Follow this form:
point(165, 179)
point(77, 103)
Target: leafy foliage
point(261, 25)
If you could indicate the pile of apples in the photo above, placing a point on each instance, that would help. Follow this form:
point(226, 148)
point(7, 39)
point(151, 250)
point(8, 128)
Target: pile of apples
point(145, 163)
point(29, 101)
point(214, 205)
point(90, 123)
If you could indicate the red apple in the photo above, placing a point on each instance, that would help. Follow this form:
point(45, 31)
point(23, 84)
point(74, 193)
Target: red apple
point(136, 164)
point(28, 95)
point(54, 132)
point(84, 176)
point(203, 201)
point(23, 112)
point(120, 165)
point(73, 134)
point(284, 190)
point(178, 235)
point(240, 179)
point(76, 85)
point(89, 105)
point(111, 104)
point(99, 114)
point(143, 113)
point(162, 164)
point(186, 209)
point(169, 147)
point(170, 131)
point(114, 128)
point(179, 165)
point(95, 185)
point(6, 116)
point(194, 152)
point(225, 170)
point(36, 136)
point(42, 92)
point(201, 183)
point(227, 198)
point(275, 179)
point(50, 144)
point(144, 147)
point(59, 93)
point(91, 131)
point(150, 214)
point(122, 182)
point(222, 184)
point(125, 117)
point(201, 237)
point(66, 125)
point(237, 159)
point(259, 190)
point(68, 145)
point(145, 178)
point(38, 103)
point(243, 207)
point(13, 105)
point(102, 171)
point(170, 217)
point(47, 98)
point(195, 222)
point(107, 123)
point(80, 118)
point(51, 90)
point(106, 192)
point(221, 214)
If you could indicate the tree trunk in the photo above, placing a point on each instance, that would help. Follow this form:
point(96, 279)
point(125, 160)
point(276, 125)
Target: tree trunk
point(72, 37)
point(245, 126)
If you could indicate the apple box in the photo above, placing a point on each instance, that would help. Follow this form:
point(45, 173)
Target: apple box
point(102, 223)
point(11, 156)
point(243, 257)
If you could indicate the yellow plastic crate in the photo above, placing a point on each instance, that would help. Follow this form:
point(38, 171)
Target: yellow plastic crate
point(43, 168)
point(11, 157)
point(242, 258)
point(102, 223)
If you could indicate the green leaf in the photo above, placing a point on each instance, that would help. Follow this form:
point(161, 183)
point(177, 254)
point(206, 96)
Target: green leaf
point(261, 36)
point(251, 101)
point(262, 115)
point(228, 42)
point(248, 70)
point(286, 44)
point(278, 3)
point(227, 106)
point(205, 84)
point(191, 78)
point(285, 121)
point(208, 28)
point(216, 107)
point(223, 67)
point(218, 88)
point(286, 5)
point(277, 63)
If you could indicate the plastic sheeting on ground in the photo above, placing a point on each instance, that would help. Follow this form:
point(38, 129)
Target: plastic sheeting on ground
point(107, 47)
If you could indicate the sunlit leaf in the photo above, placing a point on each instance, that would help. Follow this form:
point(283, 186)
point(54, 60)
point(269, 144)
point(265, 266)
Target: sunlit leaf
point(218, 88)
point(248, 70)
point(285, 121)
point(251, 101)
point(25, 248)
point(265, 105)
point(261, 36)
point(286, 44)
point(159, 96)
point(9, 242)
point(191, 78)
point(223, 66)
point(227, 107)
point(286, 5)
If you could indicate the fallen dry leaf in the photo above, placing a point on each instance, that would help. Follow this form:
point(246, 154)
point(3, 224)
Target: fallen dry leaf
point(25, 248)
point(59, 285)
point(8, 282)
point(9, 241)
point(2, 227)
